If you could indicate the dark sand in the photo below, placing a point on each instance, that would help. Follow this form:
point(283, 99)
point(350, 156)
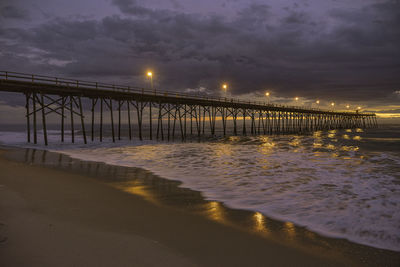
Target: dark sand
point(73, 213)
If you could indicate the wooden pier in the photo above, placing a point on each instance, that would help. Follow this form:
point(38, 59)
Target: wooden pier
point(168, 114)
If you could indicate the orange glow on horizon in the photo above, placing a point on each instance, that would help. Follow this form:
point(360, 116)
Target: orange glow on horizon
point(388, 115)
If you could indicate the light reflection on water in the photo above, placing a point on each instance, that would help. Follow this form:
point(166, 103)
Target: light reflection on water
point(332, 134)
point(295, 141)
point(350, 148)
point(330, 146)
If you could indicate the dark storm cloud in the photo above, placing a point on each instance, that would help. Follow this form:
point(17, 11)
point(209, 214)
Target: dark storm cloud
point(12, 12)
point(354, 57)
point(131, 7)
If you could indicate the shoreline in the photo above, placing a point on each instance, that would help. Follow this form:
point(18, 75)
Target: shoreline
point(264, 238)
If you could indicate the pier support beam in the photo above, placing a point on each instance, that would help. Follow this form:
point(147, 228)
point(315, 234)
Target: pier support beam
point(63, 98)
point(28, 125)
point(34, 118)
point(44, 120)
point(244, 121)
point(129, 120)
point(150, 122)
point(112, 120)
point(71, 108)
point(101, 119)
point(82, 120)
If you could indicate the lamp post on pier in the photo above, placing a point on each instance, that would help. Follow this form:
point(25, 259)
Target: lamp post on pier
point(297, 100)
point(225, 88)
point(267, 95)
point(150, 76)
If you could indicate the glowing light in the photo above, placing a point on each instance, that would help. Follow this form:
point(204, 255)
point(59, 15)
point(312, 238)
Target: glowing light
point(150, 76)
point(332, 104)
point(225, 86)
point(317, 102)
point(348, 106)
point(267, 94)
point(358, 107)
point(296, 98)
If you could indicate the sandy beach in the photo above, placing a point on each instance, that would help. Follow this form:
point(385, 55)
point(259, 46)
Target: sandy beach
point(53, 217)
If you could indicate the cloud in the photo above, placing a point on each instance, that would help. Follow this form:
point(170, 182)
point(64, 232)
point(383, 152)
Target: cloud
point(350, 55)
point(131, 7)
point(13, 12)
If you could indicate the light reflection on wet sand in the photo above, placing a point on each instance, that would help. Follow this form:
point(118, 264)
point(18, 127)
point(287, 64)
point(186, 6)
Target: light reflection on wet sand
point(290, 230)
point(260, 224)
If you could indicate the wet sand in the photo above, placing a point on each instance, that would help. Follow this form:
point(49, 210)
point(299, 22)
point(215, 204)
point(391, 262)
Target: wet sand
point(56, 211)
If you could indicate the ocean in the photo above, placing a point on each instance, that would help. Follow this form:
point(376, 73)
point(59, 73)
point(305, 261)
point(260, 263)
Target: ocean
point(339, 183)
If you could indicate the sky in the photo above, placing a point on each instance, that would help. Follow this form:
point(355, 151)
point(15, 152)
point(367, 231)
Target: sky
point(341, 51)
